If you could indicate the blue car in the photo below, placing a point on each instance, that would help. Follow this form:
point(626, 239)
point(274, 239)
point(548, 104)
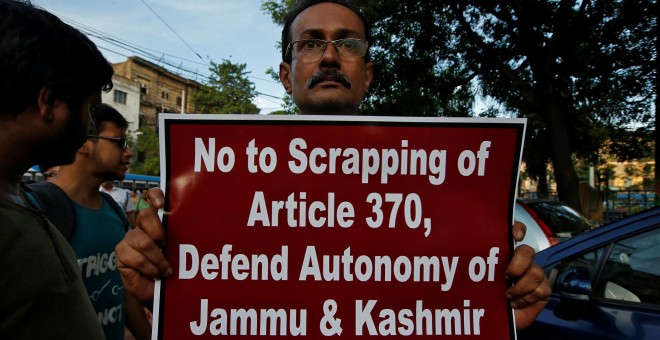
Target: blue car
point(605, 282)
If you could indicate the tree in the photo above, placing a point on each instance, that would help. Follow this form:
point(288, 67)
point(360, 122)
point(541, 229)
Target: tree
point(228, 91)
point(581, 68)
point(582, 72)
point(146, 159)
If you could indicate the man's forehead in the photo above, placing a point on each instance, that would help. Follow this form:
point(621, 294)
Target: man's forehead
point(327, 18)
point(338, 33)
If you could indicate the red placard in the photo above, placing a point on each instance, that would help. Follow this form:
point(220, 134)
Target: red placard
point(337, 226)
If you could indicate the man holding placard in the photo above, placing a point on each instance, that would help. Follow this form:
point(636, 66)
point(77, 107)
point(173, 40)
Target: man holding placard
point(327, 71)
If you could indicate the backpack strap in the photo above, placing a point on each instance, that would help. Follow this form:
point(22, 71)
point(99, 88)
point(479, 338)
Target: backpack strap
point(115, 206)
point(59, 209)
point(55, 204)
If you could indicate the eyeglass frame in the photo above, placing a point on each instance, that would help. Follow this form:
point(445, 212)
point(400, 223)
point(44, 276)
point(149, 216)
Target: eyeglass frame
point(121, 142)
point(290, 49)
point(50, 174)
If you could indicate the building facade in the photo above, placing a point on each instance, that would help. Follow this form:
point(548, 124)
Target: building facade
point(160, 90)
point(125, 97)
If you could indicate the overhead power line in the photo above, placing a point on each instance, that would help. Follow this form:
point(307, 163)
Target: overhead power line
point(268, 95)
point(171, 29)
point(171, 62)
point(145, 52)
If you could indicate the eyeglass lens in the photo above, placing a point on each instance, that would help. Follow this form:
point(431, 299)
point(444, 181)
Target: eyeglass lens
point(314, 48)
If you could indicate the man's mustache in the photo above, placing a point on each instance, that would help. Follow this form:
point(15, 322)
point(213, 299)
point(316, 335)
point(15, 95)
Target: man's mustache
point(332, 75)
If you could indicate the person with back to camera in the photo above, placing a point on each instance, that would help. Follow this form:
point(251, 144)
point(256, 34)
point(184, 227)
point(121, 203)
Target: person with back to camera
point(50, 75)
point(326, 69)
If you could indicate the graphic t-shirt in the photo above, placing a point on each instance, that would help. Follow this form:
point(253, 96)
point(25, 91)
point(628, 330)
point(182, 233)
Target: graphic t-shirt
point(94, 239)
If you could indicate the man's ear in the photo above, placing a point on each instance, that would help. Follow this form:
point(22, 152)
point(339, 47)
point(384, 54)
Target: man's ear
point(285, 74)
point(44, 103)
point(49, 106)
point(85, 148)
point(368, 76)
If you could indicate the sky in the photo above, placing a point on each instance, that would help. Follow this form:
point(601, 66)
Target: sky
point(177, 33)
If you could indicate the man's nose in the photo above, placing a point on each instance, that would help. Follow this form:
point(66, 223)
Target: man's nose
point(330, 54)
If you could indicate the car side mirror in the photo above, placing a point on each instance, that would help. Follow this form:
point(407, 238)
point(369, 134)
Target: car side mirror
point(574, 288)
point(575, 284)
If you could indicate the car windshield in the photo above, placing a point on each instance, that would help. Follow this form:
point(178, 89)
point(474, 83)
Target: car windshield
point(560, 217)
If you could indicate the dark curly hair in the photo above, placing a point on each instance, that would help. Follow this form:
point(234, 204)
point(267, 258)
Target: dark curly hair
point(38, 50)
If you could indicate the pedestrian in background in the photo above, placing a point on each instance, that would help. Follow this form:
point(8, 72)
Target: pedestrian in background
point(122, 197)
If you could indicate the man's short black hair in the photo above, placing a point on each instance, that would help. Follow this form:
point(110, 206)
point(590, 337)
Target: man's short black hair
point(38, 50)
point(302, 5)
point(102, 114)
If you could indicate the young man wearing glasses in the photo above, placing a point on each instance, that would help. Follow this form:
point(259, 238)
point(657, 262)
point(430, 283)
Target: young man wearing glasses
point(326, 69)
point(99, 226)
point(120, 195)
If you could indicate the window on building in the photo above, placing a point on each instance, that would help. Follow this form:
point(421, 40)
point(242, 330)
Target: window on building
point(142, 120)
point(143, 89)
point(165, 95)
point(178, 101)
point(120, 97)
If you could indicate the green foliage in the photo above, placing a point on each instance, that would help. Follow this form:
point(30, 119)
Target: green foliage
point(277, 9)
point(582, 72)
point(628, 145)
point(228, 91)
point(146, 159)
point(280, 113)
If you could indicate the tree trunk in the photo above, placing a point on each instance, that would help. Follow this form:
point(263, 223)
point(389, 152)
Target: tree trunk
point(657, 125)
point(657, 148)
point(542, 187)
point(565, 175)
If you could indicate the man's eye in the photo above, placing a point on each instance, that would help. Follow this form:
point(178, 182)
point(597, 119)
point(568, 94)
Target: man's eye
point(349, 45)
point(310, 44)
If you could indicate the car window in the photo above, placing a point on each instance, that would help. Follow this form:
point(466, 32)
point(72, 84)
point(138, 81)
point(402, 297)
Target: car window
point(632, 270)
point(561, 218)
point(590, 261)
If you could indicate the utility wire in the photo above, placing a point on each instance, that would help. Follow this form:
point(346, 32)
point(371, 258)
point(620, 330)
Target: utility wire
point(268, 95)
point(105, 36)
point(144, 51)
point(150, 54)
point(154, 56)
point(168, 26)
point(268, 100)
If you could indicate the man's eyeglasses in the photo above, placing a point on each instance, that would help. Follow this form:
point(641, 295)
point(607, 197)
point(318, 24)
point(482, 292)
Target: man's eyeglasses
point(50, 174)
point(311, 50)
point(120, 141)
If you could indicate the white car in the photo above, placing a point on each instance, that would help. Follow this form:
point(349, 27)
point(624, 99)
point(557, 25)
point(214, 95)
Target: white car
point(548, 222)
